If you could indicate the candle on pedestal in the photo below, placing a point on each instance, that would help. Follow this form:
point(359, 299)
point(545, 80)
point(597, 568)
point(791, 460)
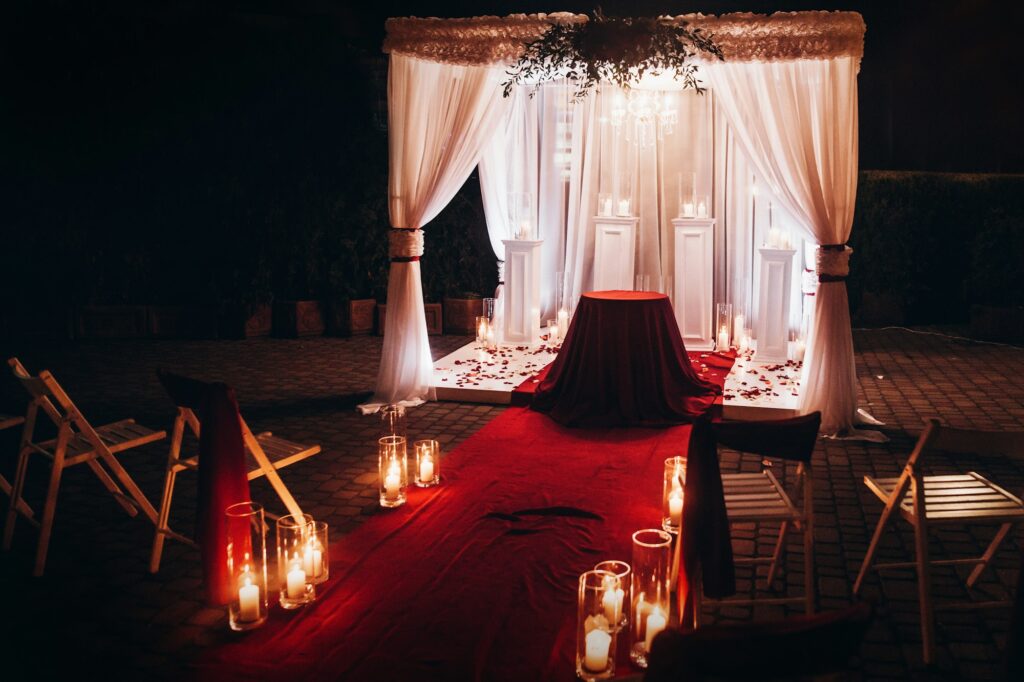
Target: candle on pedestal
point(623, 207)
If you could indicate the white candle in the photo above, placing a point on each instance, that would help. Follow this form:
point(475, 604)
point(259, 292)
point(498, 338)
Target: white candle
point(296, 581)
point(552, 333)
point(737, 326)
point(612, 603)
point(392, 482)
point(525, 230)
point(744, 342)
point(799, 349)
point(623, 207)
point(723, 338)
point(481, 331)
point(248, 601)
point(687, 209)
point(606, 207)
point(774, 238)
point(426, 468)
point(563, 321)
point(675, 506)
point(313, 560)
point(598, 644)
point(655, 624)
point(489, 339)
point(702, 210)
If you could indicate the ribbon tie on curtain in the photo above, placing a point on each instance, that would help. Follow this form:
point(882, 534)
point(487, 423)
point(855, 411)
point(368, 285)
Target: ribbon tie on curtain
point(833, 262)
point(405, 244)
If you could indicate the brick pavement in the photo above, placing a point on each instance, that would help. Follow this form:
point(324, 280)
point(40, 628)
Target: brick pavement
point(99, 606)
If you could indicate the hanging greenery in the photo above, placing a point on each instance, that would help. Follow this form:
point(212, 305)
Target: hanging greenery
point(620, 50)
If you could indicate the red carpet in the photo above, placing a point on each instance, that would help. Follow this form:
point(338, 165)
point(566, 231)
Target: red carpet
point(475, 579)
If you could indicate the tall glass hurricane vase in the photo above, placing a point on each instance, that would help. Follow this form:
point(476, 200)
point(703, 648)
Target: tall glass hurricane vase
point(595, 634)
point(247, 565)
point(651, 567)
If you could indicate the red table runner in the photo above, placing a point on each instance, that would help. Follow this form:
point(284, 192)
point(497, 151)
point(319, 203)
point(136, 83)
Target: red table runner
point(623, 363)
point(475, 579)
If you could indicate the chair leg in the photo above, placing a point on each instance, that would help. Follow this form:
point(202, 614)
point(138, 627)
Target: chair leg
point(133, 490)
point(809, 581)
point(17, 491)
point(993, 547)
point(49, 509)
point(869, 557)
point(7, 489)
point(924, 580)
point(780, 548)
point(162, 520)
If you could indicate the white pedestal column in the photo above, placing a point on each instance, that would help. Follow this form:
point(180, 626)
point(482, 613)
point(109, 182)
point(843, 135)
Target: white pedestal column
point(522, 291)
point(614, 252)
point(694, 281)
point(773, 304)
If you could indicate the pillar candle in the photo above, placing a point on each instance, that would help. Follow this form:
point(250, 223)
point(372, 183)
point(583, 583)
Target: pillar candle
point(392, 482)
point(702, 210)
point(426, 469)
point(655, 624)
point(598, 644)
point(296, 581)
point(563, 321)
point(612, 603)
point(687, 209)
point(723, 339)
point(606, 207)
point(553, 333)
point(623, 207)
point(737, 326)
point(312, 560)
point(248, 602)
point(675, 506)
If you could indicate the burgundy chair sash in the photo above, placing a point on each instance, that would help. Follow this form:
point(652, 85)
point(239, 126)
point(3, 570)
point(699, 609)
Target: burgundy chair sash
point(791, 439)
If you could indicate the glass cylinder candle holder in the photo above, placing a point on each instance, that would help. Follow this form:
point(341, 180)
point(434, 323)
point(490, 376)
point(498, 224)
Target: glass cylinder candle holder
point(294, 534)
point(392, 420)
point(616, 599)
point(723, 324)
point(487, 308)
point(605, 204)
point(315, 559)
point(393, 467)
point(247, 565)
point(672, 494)
point(649, 612)
point(428, 463)
point(482, 327)
point(595, 635)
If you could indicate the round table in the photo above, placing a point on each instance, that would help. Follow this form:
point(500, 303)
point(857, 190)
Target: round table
point(623, 363)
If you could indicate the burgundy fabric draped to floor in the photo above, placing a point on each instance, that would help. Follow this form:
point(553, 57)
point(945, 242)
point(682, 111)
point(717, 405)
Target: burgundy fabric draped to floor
point(475, 579)
point(623, 363)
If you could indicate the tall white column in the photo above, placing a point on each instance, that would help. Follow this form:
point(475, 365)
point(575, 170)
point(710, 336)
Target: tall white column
point(773, 309)
point(614, 252)
point(522, 291)
point(694, 281)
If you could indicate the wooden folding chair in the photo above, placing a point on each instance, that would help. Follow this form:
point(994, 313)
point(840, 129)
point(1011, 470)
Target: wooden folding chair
point(760, 497)
point(269, 452)
point(924, 501)
point(77, 442)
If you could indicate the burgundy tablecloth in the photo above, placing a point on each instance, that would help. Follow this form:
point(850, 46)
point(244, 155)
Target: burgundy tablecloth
point(623, 363)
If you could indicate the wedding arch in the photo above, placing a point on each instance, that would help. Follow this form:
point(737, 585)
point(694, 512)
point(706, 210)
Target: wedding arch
point(779, 118)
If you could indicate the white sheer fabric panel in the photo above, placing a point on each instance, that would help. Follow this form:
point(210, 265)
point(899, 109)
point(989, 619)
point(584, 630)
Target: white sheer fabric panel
point(797, 121)
point(439, 118)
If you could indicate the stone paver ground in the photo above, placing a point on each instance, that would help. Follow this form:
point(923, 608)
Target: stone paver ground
point(98, 607)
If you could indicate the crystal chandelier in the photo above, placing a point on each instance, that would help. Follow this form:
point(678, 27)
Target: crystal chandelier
point(645, 115)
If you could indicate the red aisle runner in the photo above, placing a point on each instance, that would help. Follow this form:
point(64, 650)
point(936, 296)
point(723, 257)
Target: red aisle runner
point(475, 579)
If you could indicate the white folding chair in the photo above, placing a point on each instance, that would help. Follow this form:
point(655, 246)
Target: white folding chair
point(269, 452)
point(925, 501)
point(77, 442)
point(760, 497)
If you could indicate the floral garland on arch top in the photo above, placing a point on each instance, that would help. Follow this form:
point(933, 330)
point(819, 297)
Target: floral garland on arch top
point(620, 50)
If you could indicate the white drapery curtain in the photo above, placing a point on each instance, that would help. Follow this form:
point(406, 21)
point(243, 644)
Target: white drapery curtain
point(797, 122)
point(440, 116)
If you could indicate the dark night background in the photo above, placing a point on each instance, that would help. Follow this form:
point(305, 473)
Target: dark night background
point(226, 154)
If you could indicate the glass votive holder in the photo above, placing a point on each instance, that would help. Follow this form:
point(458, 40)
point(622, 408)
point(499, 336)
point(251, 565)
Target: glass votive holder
point(553, 331)
point(392, 420)
point(595, 635)
point(672, 494)
point(651, 568)
point(293, 537)
point(723, 324)
point(315, 556)
point(428, 463)
point(247, 565)
point(616, 599)
point(393, 467)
